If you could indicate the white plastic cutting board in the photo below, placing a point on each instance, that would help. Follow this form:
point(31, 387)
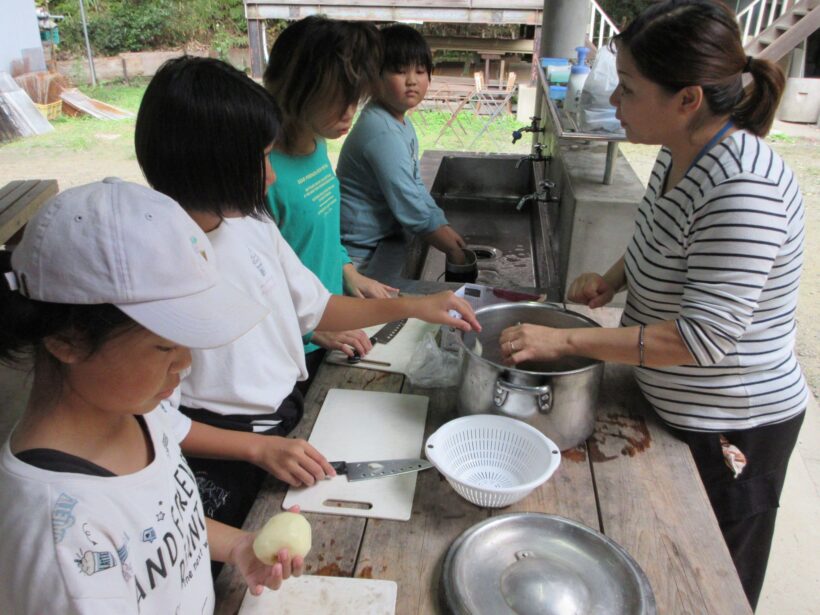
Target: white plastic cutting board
point(365, 426)
point(397, 351)
point(312, 595)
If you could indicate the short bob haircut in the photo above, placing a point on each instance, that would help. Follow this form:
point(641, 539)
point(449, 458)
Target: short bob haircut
point(319, 65)
point(403, 47)
point(201, 134)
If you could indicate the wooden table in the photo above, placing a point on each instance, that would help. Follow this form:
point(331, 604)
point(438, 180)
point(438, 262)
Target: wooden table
point(631, 480)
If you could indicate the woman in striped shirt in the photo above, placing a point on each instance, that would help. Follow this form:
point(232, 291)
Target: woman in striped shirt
point(712, 270)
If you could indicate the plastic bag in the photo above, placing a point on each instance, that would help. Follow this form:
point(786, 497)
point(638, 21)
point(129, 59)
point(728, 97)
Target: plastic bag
point(432, 367)
point(594, 112)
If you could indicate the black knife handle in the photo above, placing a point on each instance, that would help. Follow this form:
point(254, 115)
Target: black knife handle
point(339, 466)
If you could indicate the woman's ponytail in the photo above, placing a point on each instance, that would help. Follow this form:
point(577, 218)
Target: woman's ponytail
point(756, 110)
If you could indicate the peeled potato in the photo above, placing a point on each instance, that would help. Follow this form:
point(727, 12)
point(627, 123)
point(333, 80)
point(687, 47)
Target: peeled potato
point(286, 530)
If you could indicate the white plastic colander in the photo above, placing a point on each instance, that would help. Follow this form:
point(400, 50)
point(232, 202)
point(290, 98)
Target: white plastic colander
point(492, 460)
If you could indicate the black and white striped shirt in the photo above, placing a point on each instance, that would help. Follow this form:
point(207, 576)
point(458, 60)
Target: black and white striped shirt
point(721, 254)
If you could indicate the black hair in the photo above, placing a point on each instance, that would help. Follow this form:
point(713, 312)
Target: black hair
point(316, 62)
point(202, 130)
point(28, 322)
point(680, 43)
point(405, 46)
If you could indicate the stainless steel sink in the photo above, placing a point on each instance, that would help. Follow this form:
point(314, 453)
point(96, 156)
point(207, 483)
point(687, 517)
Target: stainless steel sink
point(479, 194)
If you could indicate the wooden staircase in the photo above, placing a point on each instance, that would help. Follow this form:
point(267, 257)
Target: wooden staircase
point(792, 27)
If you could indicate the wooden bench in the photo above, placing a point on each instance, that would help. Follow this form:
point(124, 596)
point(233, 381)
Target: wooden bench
point(19, 201)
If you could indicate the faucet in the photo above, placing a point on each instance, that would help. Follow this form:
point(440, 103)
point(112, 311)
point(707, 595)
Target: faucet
point(538, 156)
point(533, 128)
point(543, 194)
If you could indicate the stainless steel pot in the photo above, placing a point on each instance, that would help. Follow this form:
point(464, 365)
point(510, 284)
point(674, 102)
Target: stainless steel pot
point(556, 397)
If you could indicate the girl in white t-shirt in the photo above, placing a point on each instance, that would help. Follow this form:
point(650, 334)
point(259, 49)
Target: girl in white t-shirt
point(101, 513)
point(203, 135)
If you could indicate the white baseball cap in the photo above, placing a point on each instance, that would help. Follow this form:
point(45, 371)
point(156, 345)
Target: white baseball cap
point(125, 244)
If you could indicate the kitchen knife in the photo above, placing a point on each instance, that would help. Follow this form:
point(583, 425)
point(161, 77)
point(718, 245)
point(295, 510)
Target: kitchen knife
point(365, 470)
point(382, 336)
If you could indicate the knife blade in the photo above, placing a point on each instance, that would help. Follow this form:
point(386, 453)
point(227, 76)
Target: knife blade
point(388, 331)
point(366, 470)
point(382, 336)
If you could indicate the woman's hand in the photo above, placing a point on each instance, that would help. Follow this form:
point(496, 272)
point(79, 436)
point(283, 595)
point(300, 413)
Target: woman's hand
point(290, 460)
point(346, 341)
point(590, 289)
point(436, 308)
point(257, 574)
point(532, 343)
point(358, 285)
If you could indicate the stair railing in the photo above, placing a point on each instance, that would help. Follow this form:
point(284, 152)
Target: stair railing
point(601, 27)
point(759, 15)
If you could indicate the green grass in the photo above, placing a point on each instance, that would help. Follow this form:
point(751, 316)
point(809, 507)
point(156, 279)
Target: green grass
point(780, 137)
point(459, 136)
point(83, 133)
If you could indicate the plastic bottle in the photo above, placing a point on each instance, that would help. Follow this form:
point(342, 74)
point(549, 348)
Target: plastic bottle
point(578, 75)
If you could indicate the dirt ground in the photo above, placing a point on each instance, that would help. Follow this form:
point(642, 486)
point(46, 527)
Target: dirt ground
point(112, 155)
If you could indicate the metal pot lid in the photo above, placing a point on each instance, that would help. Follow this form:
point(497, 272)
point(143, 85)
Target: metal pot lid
point(528, 563)
point(495, 318)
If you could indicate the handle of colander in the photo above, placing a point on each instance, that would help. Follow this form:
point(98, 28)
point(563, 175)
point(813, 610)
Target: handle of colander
point(430, 450)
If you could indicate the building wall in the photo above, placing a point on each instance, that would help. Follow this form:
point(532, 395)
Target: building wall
point(19, 35)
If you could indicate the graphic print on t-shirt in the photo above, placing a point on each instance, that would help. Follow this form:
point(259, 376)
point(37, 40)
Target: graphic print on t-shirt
point(172, 544)
point(319, 187)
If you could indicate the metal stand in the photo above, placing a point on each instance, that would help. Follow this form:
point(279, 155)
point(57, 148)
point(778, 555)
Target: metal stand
point(564, 127)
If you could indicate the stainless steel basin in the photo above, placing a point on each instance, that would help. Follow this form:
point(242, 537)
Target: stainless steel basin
point(528, 563)
point(479, 194)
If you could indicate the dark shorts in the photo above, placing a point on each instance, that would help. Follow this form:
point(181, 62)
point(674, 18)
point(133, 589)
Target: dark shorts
point(746, 506)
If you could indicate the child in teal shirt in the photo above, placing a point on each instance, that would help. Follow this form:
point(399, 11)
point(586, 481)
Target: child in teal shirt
point(319, 104)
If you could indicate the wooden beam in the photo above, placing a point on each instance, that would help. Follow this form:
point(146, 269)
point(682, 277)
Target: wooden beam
point(481, 45)
point(366, 12)
point(256, 40)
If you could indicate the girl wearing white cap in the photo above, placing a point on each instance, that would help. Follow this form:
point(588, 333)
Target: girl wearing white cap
point(203, 133)
point(101, 512)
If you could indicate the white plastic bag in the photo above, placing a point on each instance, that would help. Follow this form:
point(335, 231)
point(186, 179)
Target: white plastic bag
point(433, 367)
point(595, 113)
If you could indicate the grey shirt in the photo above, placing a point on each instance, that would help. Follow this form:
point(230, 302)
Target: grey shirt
point(381, 187)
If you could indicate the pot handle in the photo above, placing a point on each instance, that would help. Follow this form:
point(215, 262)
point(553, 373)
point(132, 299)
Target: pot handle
point(542, 394)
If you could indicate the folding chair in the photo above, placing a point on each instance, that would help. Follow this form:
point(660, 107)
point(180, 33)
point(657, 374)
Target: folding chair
point(497, 101)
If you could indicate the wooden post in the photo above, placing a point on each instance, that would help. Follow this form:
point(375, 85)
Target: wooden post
point(256, 40)
point(536, 56)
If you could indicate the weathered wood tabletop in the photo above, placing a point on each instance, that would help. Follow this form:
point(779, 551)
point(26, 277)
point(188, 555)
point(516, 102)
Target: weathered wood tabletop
point(631, 480)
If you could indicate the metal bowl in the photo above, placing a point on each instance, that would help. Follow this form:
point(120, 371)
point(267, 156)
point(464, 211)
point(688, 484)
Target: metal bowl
point(528, 563)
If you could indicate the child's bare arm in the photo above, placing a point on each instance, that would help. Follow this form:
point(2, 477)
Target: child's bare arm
point(290, 460)
point(344, 313)
point(359, 285)
point(446, 239)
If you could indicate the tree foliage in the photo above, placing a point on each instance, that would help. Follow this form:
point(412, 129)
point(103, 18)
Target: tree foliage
point(134, 25)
